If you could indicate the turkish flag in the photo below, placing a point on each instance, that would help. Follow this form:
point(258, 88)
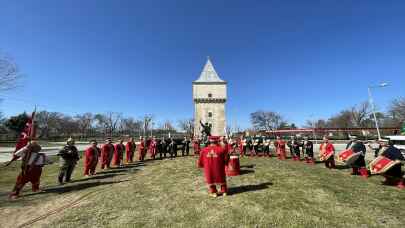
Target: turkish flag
point(27, 133)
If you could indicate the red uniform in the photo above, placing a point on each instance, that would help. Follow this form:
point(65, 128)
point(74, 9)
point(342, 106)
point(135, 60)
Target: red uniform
point(141, 150)
point(107, 152)
point(326, 149)
point(32, 163)
point(280, 149)
point(90, 160)
point(130, 150)
point(213, 159)
point(196, 146)
point(119, 149)
point(152, 148)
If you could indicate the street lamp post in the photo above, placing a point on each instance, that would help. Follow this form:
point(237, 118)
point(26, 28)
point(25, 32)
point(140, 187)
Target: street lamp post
point(313, 128)
point(373, 107)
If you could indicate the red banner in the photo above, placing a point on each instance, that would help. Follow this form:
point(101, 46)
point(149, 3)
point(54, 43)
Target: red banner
point(27, 133)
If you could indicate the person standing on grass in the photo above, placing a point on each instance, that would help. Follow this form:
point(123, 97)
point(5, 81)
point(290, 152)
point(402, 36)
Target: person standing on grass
point(31, 168)
point(186, 146)
point(213, 159)
point(141, 149)
point(394, 175)
point(308, 149)
point(68, 157)
point(107, 151)
point(130, 150)
point(91, 155)
point(280, 148)
point(359, 166)
point(196, 146)
point(152, 147)
point(119, 149)
point(327, 153)
point(376, 147)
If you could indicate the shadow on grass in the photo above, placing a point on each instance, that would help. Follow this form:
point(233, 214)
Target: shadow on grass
point(69, 188)
point(249, 188)
point(342, 167)
point(100, 176)
point(246, 171)
point(248, 166)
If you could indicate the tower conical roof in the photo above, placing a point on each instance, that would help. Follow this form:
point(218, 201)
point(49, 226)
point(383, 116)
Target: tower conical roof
point(209, 74)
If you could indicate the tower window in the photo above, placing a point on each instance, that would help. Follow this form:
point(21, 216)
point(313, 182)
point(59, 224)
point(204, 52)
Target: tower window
point(210, 95)
point(210, 114)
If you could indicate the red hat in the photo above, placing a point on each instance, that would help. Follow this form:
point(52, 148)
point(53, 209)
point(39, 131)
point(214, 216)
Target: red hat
point(213, 138)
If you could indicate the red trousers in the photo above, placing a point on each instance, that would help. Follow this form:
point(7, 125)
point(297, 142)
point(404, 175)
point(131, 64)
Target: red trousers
point(32, 175)
point(142, 153)
point(90, 167)
point(129, 156)
point(104, 159)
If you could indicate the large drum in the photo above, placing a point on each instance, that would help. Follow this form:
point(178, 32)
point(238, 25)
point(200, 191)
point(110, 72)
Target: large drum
point(233, 167)
point(381, 165)
point(325, 156)
point(348, 156)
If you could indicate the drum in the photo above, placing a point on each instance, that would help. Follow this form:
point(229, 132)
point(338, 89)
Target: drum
point(233, 167)
point(326, 156)
point(381, 165)
point(348, 156)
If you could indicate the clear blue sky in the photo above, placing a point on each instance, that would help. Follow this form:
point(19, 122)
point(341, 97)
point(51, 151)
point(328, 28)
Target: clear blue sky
point(294, 57)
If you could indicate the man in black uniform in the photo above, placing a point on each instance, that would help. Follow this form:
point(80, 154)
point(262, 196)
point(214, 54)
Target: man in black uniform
point(173, 148)
point(186, 146)
point(359, 166)
point(393, 175)
point(308, 149)
point(294, 146)
point(68, 157)
point(159, 147)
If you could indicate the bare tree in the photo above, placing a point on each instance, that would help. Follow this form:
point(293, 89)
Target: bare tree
point(360, 114)
point(48, 123)
point(9, 73)
point(146, 122)
point(397, 111)
point(186, 125)
point(84, 122)
point(265, 120)
point(131, 125)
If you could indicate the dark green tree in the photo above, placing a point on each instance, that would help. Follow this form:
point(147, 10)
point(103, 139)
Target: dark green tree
point(17, 123)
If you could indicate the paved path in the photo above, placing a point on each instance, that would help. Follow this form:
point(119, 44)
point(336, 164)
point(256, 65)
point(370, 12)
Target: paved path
point(6, 152)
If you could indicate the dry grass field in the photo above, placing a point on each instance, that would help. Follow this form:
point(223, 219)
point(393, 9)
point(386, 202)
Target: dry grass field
point(172, 193)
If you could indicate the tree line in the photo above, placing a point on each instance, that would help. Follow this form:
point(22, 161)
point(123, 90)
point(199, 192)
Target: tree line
point(358, 116)
point(51, 125)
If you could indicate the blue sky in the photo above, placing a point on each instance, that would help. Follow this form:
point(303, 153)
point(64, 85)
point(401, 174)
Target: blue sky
point(298, 58)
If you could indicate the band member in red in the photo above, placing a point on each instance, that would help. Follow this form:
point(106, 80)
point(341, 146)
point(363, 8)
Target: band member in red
point(152, 147)
point(327, 153)
point(130, 150)
point(280, 148)
point(31, 167)
point(394, 175)
point(359, 166)
point(141, 149)
point(196, 146)
point(213, 159)
point(91, 159)
point(119, 149)
point(107, 151)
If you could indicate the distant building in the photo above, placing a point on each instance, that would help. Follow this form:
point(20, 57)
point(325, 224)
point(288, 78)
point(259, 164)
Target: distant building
point(209, 94)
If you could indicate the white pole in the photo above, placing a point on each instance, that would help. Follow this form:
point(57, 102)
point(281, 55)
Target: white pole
point(373, 110)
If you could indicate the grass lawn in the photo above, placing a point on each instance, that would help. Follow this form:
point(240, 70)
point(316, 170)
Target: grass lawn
point(161, 193)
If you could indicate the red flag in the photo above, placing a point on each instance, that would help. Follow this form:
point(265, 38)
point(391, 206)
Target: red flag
point(27, 134)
